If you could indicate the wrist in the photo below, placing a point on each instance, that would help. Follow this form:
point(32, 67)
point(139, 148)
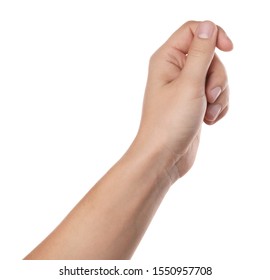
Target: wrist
point(155, 159)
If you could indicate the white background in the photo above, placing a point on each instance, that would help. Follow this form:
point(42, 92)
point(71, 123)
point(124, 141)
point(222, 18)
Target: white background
point(71, 87)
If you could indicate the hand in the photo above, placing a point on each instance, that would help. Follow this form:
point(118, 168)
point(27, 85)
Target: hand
point(187, 84)
point(182, 90)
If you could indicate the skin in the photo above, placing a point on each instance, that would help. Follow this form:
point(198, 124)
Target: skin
point(187, 85)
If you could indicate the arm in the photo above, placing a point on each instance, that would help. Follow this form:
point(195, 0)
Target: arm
point(110, 220)
point(182, 91)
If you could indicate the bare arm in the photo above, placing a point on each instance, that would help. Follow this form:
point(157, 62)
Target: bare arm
point(187, 85)
point(110, 220)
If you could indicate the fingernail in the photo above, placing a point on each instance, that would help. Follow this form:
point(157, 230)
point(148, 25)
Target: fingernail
point(214, 94)
point(205, 30)
point(213, 111)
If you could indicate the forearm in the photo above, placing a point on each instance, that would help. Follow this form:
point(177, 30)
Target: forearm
point(110, 220)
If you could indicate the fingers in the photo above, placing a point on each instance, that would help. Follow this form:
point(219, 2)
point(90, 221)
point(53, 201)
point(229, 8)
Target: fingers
point(216, 80)
point(218, 109)
point(224, 43)
point(217, 92)
point(200, 53)
point(186, 45)
point(182, 38)
point(198, 40)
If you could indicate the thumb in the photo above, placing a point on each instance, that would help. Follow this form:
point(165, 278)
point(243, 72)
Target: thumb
point(201, 52)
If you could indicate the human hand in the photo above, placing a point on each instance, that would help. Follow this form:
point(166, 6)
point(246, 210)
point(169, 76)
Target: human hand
point(187, 84)
point(182, 91)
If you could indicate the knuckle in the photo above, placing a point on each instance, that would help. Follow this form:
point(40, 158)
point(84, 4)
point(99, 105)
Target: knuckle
point(153, 57)
point(199, 50)
point(157, 55)
point(190, 22)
